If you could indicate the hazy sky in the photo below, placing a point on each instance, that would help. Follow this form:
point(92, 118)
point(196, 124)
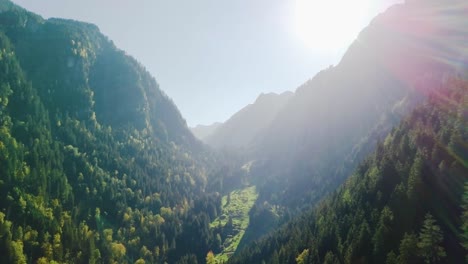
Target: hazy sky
point(213, 57)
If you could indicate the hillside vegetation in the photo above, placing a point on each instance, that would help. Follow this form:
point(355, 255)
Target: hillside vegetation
point(233, 220)
point(403, 204)
point(335, 120)
point(367, 162)
point(97, 164)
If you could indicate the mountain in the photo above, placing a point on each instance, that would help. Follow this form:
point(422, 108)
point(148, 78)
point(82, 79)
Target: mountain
point(335, 119)
point(242, 128)
point(202, 132)
point(403, 204)
point(96, 163)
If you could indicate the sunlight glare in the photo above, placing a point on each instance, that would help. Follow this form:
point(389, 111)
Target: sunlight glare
point(329, 25)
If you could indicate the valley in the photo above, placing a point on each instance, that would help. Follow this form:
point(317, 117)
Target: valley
point(234, 219)
point(365, 162)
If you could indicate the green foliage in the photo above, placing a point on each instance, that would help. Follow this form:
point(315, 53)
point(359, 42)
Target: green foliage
point(97, 166)
point(330, 258)
point(210, 258)
point(140, 261)
point(118, 251)
point(464, 219)
point(414, 179)
point(430, 240)
point(391, 258)
point(408, 249)
point(303, 257)
point(375, 215)
point(16, 253)
point(383, 231)
point(233, 220)
point(88, 174)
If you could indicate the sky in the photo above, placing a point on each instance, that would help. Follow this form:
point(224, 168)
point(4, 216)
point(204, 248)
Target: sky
point(213, 57)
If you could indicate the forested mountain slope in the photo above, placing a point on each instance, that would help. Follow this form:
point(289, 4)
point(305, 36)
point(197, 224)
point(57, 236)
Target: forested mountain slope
point(403, 204)
point(96, 163)
point(336, 118)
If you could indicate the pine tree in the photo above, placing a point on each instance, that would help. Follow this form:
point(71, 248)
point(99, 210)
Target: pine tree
point(414, 180)
point(408, 249)
point(391, 258)
point(302, 258)
point(464, 218)
point(330, 258)
point(275, 258)
point(430, 239)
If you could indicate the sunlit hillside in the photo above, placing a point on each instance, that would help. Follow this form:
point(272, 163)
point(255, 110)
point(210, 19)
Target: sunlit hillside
point(339, 132)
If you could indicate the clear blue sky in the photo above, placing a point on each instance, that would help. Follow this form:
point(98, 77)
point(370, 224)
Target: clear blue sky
point(212, 57)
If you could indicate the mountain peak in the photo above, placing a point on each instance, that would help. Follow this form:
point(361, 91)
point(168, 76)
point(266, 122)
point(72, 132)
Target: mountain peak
point(265, 97)
point(203, 131)
point(242, 128)
point(7, 5)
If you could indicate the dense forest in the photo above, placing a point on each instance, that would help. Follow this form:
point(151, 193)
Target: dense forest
point(97, 165)
point(334, 120)
point(406, 203)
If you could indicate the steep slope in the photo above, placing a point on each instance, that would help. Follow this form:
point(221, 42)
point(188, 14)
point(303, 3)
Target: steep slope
point(76, 68)
point(402, 204)
point(242, 128)
point(334, 120)
point(202, 132)
point(96, 163)
point(337, 117)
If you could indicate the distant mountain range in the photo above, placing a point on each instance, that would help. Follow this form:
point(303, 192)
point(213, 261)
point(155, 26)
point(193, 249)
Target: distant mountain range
point(204, 131)
point(240, 130)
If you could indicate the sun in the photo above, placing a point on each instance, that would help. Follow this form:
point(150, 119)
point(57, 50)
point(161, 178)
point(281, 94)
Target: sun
point(329, 25)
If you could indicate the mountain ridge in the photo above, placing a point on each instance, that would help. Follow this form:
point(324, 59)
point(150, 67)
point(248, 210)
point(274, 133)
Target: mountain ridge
point(381, 214)
point(241, 129)
point(203, 131)
point(98, 165)
point(339, 116)
point(364, 88)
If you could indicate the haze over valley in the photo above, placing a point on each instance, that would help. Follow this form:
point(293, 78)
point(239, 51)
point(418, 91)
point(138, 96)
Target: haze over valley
point(349, 143)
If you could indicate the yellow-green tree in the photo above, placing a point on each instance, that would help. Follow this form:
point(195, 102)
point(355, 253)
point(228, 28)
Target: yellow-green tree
point(210, 258)
point(16, 253)
point(302, 258)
